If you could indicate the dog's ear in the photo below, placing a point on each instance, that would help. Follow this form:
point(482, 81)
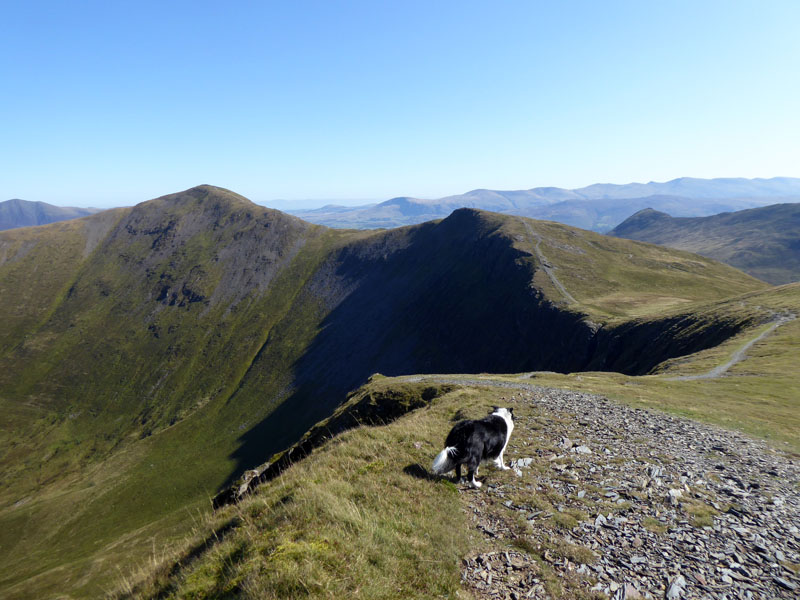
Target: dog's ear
point(494, 410)
point(511, 412)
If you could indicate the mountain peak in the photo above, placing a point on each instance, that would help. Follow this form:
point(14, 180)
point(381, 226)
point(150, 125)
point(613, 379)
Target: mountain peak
point(203, 193)
point(645, 218)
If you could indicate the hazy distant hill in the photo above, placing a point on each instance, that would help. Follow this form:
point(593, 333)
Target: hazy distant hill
point(23, 213)
point(149, 355)
point(597, 207)
point(764, 242)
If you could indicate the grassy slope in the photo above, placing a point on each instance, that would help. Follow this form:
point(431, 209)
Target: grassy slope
point(613, 280)
point(327, 527)
point(69, 504)
point(126, 412)
point(760, 241)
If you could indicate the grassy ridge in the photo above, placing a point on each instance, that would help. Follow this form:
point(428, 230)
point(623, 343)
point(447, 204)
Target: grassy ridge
point(328, 527)
point(615, 279)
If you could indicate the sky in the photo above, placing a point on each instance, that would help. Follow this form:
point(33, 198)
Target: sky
point(296, 104)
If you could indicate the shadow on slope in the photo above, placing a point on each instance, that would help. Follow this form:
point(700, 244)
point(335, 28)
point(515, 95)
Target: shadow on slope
point(452, 296)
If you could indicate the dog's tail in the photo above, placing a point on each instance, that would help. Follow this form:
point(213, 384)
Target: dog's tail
point(444, 461)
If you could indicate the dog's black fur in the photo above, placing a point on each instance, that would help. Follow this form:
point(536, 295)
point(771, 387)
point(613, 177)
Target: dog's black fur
point(472, 442)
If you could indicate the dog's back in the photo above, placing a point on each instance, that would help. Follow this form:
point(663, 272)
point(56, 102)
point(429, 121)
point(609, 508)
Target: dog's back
point(484, 438)
point(472, 442)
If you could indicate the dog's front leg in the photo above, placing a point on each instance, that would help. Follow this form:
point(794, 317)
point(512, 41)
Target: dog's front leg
point(500, 464)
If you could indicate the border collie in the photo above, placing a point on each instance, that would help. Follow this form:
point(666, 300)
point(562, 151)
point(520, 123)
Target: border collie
point(471, 442)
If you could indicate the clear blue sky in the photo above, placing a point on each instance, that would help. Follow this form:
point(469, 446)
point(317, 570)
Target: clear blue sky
point(111, 103)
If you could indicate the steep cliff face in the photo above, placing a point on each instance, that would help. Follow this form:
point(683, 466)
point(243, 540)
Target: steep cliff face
point(636, 348)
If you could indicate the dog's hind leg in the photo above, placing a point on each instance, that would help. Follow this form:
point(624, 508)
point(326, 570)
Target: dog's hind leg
point(458, 473)
point(471, 473)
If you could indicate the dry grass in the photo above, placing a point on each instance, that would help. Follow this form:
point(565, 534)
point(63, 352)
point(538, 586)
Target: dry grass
point(359, 518)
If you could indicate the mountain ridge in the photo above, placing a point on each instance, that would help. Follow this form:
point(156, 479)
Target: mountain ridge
point(16, 213)
point(597, 207)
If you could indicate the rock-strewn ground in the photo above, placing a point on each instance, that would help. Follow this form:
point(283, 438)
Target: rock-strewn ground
point(611, 501)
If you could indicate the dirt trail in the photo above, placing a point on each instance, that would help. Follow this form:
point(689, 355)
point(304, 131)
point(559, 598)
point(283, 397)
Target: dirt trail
point(548, 269)
point(739, 355)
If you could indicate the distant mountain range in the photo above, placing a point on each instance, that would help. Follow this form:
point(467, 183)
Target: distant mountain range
point(597, 207)
point(763, 242)
point(24, 213)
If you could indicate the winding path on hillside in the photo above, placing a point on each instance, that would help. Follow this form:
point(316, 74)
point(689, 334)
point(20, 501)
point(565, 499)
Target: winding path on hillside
point(739, 355)
point(546, 265)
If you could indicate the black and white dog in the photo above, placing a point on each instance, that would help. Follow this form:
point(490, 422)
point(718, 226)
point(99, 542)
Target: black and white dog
point(472, 442)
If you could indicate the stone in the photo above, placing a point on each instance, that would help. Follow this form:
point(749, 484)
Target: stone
point(784, 583)
point(676, 587)
point(631, 593)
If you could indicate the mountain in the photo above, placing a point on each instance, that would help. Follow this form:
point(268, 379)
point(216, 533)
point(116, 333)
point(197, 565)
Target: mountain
point(150, 355)
point(22, 213)
point(596, 207)
point(764, 242)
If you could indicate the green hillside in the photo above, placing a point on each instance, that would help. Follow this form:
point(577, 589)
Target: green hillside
point(150, 355)
point(760, 241)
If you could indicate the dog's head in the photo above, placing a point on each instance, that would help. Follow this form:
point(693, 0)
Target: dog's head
point(503, 412)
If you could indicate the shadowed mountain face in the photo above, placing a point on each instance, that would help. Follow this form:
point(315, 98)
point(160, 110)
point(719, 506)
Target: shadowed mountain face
point(22, 213)
point(764, 242)
point(151, 354)
point(596, 207)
